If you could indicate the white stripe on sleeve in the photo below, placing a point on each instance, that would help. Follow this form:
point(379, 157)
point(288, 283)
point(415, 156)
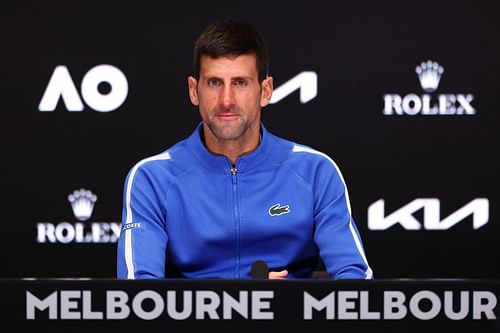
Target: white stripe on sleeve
point(129, 217)
point(357, 241)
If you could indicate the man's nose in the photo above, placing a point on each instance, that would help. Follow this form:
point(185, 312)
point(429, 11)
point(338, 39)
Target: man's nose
point(227, 96)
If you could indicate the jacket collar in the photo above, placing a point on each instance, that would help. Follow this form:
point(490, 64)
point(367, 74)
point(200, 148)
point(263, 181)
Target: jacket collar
point(221, 163)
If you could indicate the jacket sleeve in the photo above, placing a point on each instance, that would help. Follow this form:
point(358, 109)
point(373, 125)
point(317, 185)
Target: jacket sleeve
point(336, 234)
point(143, 238)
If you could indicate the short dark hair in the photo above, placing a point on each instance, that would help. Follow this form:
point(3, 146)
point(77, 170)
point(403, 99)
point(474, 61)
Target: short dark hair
point(231, 38)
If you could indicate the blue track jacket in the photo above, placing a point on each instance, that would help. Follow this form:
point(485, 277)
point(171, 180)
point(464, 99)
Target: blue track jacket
point(191, 214)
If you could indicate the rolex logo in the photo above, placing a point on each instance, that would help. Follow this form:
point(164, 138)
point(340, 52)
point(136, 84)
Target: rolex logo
point(82, 202)
point(429, 103)
point(429, 74)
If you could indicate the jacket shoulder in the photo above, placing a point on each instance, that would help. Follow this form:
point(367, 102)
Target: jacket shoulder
point(312, 165)
point(171, 162)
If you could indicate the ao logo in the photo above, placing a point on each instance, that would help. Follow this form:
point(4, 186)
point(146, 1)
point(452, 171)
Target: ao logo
point(62, 86)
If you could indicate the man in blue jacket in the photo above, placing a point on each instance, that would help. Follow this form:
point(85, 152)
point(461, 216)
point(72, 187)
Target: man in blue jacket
point(232, 193)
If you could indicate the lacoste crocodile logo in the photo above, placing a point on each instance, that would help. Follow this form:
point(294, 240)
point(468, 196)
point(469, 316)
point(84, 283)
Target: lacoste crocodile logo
point(277, 209)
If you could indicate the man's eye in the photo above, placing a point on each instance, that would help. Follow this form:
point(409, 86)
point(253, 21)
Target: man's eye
point(241, 83)
point(213, 83)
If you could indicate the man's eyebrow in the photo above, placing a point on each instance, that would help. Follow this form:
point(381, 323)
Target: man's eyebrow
point(234, 78)
point(242, 77)
point(212, 77)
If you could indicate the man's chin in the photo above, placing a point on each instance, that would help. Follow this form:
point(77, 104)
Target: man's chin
point(226, 130)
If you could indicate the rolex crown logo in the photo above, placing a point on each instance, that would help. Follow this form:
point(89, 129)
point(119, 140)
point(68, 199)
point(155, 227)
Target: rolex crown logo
point(82, 202)
point(429, 74)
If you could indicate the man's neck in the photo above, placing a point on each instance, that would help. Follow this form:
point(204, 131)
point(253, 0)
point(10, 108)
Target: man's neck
point(232, 149)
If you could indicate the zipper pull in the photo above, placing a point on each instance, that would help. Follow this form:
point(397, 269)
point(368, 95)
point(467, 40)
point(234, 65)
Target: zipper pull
point(234, 171)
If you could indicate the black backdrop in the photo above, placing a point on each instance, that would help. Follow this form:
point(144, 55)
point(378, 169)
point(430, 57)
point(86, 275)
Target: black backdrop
point(360, 52)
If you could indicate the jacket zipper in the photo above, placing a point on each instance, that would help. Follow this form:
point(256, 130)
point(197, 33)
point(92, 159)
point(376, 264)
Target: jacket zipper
point(236, 214)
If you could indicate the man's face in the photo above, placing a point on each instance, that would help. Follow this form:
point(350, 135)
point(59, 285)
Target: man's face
point(230, 96)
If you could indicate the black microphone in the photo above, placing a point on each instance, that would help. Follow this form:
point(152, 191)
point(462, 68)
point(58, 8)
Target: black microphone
point(260, 270)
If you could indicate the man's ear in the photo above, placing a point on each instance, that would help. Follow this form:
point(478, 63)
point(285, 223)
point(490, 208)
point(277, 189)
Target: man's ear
point(193, 91)
point(267, 91)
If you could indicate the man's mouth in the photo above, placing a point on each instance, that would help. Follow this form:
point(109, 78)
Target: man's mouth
point(227, 115)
